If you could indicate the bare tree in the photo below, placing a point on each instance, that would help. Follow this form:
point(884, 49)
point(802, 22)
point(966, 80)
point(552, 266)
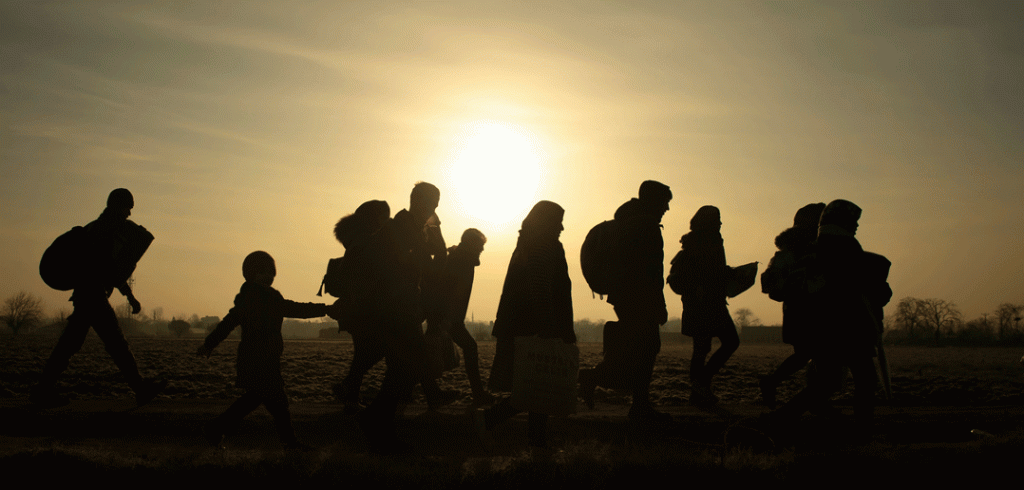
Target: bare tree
point(745, 318)
point(1008, 316)
point(909, 317)
point(940, 316)
point(22, 312)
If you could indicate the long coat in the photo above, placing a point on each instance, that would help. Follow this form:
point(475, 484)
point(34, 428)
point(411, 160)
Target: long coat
point(705, 310)
point(851, 291)
point(798, 316)
point(641, 281)
point(536, 299)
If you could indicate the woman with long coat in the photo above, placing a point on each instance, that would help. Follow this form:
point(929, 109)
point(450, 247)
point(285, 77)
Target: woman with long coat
point(536, 299)
point(705, 311)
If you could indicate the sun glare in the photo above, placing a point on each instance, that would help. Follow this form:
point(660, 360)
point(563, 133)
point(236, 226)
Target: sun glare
point(495, 172)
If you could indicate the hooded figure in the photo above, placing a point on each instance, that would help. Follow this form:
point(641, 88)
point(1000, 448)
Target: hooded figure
point(632, 343)
point(798, 316)
point(536, 299)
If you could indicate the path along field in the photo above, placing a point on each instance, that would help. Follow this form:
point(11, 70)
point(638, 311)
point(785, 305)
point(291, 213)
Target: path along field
point(956, 413)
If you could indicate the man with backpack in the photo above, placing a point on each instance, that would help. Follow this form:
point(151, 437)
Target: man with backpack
point(636, 291)
point(107, 251)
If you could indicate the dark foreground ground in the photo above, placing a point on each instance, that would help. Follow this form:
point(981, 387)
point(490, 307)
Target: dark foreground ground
point(112, 440)
point(957, 416)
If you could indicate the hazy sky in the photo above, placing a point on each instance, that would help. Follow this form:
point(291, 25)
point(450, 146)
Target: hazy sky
point(244, 126)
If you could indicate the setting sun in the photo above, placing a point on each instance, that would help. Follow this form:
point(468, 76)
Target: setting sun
point(494, 172)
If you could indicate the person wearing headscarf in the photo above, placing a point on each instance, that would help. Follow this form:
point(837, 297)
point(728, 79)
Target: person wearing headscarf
point(536, 299)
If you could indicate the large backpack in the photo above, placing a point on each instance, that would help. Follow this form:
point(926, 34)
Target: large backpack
point(81, 256)
point(338, 278)
point(601, 257)
point(356, 280)
point(680, 273)
point(64, 262)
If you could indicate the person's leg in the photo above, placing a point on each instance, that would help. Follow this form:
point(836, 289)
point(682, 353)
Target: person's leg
point(368, 350)
point(403, 347)
point(769, 384)
point(229, 419)
point(499, 413)
point(823, 382)
point(471, 356)
point(730, 342)
point(537, 429)
point(865, 380)
point(700, 382)
point(701, 349)
point(276, 401)
point(109, 330)
point(70, 342)
point(648, 340)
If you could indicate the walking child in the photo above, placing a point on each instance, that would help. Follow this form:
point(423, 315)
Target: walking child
point(260, 310)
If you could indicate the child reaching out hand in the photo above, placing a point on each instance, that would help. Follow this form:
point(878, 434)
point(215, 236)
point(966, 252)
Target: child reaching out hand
point(260, 310)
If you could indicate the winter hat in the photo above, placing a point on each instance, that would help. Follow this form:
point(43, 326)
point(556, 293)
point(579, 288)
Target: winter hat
point(120, 198)
point(654, 191)
point(544, 215)
point(809, 216)
point(256, 263)
point(841, 213)
point(706, 217)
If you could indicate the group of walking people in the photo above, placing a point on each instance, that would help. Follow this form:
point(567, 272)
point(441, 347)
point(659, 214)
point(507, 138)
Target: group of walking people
point(398, 273)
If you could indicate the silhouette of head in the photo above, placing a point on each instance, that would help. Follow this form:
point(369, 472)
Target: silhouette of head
point(121, 202)
point(809, 215)
point(545, 219)
point(473, 241)
point(654, 197)
point(841, 213)
point(259, 267)
point(369, 217)
point(706, 218)
point(423, 200)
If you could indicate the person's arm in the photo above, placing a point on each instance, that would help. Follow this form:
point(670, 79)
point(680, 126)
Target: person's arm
point(224, 328)
point(292, 309)
point(126, 290)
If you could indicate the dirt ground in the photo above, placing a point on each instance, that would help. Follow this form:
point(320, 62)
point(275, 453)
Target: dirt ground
point(956, 413)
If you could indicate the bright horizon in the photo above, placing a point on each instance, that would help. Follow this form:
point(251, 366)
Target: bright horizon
point(256, 126)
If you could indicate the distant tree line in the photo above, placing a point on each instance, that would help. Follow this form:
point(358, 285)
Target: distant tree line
point(915, 321)
point(933, 321)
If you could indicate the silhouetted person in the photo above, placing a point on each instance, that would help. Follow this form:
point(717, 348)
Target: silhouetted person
point(362, 311)
point(848, 287)
point(109, 238)
point(705, 311)
point(639, 301)
point(794, 244)
point(413, 245)
point(436, 342)
point(536, 299)
point(260, 310)
point(457, 286)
